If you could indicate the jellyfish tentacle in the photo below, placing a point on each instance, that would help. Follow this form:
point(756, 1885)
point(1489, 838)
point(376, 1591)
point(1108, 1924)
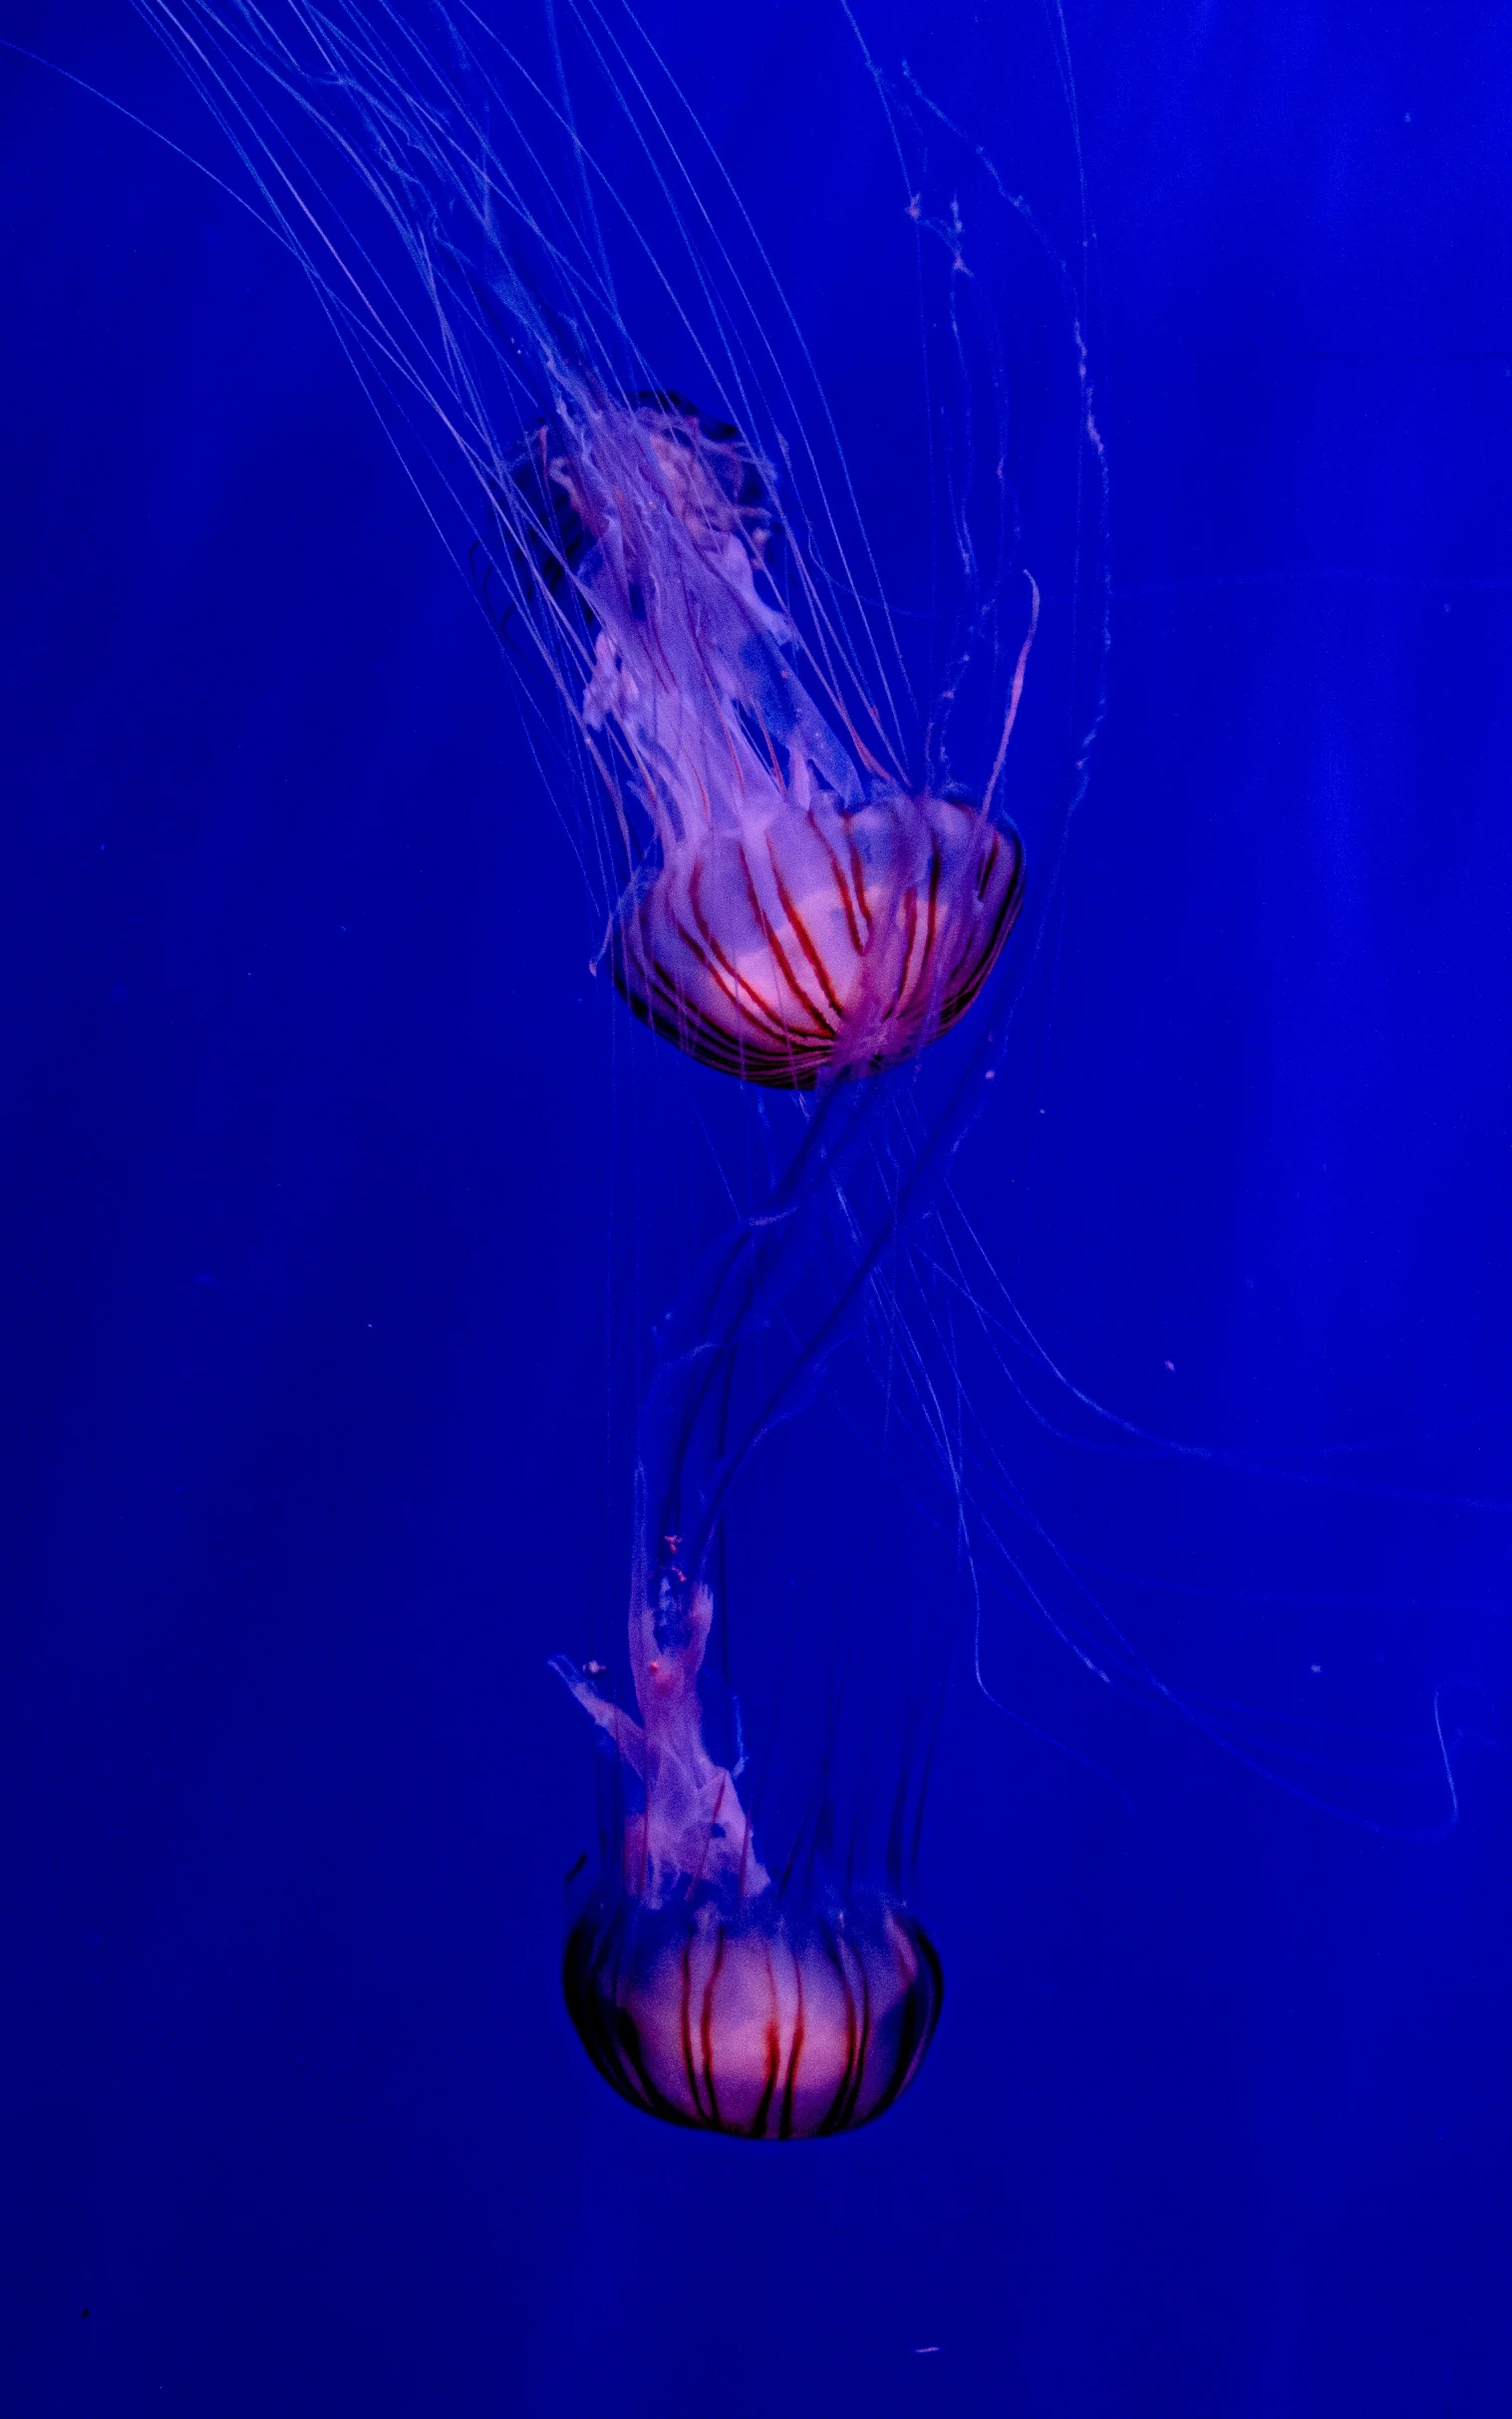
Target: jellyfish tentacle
point(627, 1735)
point(694, 1831)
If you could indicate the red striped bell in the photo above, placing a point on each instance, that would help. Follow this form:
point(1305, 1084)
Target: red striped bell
point(823, 941)
point(752, 2016)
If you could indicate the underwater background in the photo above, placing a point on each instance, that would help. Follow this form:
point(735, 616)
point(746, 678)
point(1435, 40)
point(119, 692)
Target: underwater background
point(309, 1200)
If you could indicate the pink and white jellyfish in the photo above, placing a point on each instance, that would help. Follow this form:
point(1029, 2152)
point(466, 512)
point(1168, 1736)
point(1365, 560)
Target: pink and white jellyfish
point(794, 891)
point(704, 1991)
point(711, 1989)
point(801, 911)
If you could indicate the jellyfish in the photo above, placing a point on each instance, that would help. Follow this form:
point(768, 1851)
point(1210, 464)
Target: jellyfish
point(801, 911)
point(706, 1994)
point(792, 885)
point(710, 1991)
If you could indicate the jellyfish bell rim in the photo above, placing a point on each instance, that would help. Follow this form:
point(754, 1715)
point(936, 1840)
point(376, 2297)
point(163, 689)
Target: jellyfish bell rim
point(777, 2016)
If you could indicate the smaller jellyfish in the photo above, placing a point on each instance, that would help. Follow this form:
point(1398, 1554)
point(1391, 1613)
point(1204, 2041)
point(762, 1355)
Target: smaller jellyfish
point(802, 912)
point(707, 1993)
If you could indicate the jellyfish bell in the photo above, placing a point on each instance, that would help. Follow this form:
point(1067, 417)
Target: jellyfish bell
point(771, 2020)
point(706, 1992)
point(801, 910)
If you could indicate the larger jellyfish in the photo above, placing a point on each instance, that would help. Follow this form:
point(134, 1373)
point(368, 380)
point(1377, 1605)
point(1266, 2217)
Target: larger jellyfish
point(801, 910)
point(794, 891)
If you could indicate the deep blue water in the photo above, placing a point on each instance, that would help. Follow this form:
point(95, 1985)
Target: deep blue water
point(315, 1197)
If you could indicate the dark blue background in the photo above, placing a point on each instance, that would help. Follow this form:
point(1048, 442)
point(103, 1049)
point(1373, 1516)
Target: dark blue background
point(306, 1204)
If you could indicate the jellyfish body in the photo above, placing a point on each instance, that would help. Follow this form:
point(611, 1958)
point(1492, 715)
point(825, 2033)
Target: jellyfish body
point(704, 1992)
point(801, 911)
point(787, 897)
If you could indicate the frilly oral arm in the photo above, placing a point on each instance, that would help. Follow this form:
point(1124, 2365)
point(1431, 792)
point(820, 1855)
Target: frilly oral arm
point(627, 1735)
